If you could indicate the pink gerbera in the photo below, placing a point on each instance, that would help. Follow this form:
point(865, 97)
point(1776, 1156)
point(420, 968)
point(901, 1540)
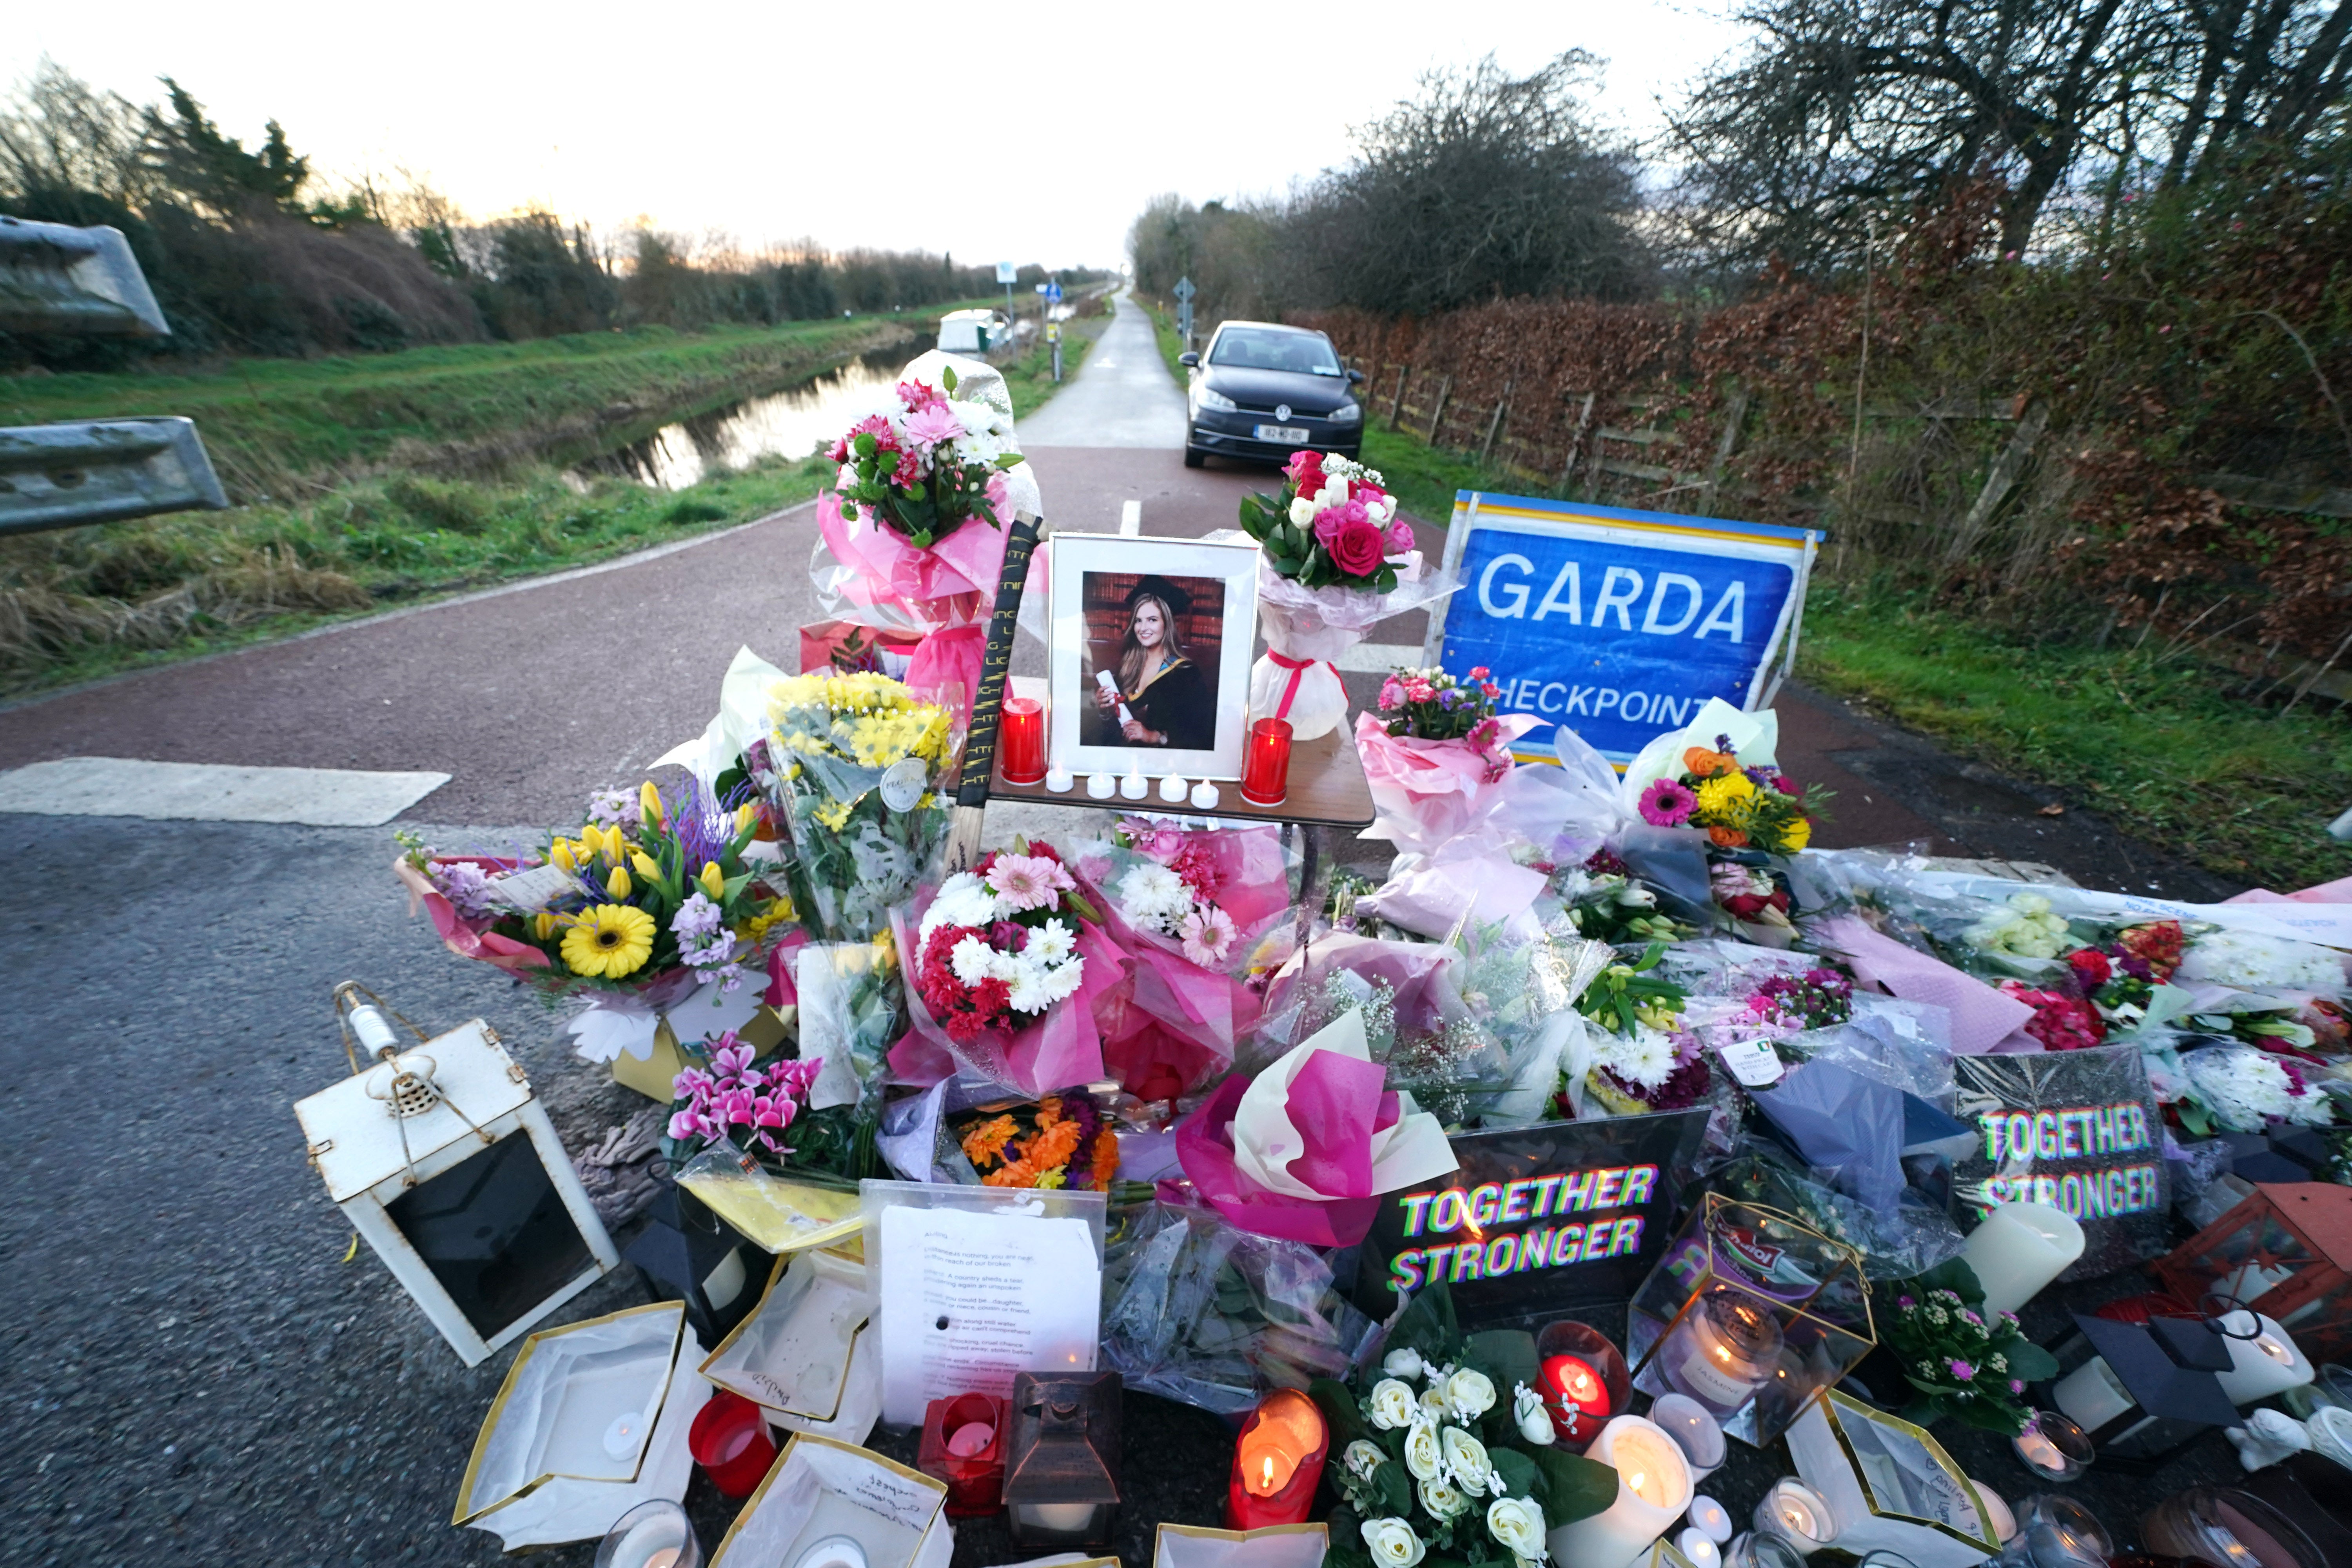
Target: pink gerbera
point(1027, 881)
point(1666, 803)
point(1208, 934)
point(927, 427)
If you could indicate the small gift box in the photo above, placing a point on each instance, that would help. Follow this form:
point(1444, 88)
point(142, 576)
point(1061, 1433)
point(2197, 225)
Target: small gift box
point(793, 1353)
point(1749, 1313)
point(828, 1505)
point(1890, 1486)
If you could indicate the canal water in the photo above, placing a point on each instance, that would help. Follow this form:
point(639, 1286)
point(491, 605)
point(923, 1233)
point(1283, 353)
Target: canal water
point(789, 423)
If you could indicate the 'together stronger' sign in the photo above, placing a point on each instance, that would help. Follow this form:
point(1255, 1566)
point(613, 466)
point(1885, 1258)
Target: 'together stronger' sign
point(1618, 623)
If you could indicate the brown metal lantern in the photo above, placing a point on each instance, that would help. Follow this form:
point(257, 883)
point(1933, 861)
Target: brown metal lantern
point(1062, 1466)
point(2286, 1252)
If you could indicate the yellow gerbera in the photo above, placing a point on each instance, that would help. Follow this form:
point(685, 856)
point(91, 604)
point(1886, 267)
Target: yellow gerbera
point(609, 940)
point(1723, 795)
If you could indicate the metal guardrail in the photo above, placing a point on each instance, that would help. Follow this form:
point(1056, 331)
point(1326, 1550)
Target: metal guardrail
point(79, 282)
point(102, 470)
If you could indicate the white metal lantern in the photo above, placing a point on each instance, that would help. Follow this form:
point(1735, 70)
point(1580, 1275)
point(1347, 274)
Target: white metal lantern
point(442, 1158)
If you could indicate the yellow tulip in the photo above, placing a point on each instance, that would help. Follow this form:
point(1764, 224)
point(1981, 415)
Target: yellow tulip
point(649, 798)
point(545, 924)
point(745, 814)
point(561, 854)
point(644, 866)
point(712, 882)
point(618, 884)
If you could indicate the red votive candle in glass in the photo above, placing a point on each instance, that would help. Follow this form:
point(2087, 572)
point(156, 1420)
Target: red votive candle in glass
point(1277, 1463)
point(729, 1440)
point(1021, 740)
point(1575, 1396)
point(1266, 768)
point(963, 1444)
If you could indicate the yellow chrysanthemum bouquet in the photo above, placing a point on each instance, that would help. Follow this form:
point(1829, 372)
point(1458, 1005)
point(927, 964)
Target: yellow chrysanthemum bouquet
point(857, 765)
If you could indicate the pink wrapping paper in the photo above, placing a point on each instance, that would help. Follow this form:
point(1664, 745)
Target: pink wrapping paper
point(1061, 1048)
point(468, 939)
point(2338, 891)
point(1982, 1018)
point(950, 583)
point(783, 989)
point(1338, 1104)
point(948, 661)
point(1428, 791)
point(1414, 969)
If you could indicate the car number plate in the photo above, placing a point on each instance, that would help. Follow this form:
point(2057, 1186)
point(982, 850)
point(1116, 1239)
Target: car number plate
point(1282, 433)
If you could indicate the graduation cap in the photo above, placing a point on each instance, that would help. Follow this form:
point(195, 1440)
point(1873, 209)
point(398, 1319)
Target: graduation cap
point(1155, 586)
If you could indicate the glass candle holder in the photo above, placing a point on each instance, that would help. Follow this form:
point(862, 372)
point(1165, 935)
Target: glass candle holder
point(2058, 1532)
point(2053, 1447)
point(2230, 1529)
point(1583, 1379)
point(1021, 740)
point(963, 1444)
point(1797, 1514)
point(729, 1440)
point(654, 1535)
point(1752, 1550)
point(1723, 1349)
point(1688, 1422)
point(1265, 766)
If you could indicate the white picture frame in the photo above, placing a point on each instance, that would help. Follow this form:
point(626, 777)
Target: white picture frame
point(1080, 562)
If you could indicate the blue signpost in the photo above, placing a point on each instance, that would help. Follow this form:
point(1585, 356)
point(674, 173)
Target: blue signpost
point(1620, 625)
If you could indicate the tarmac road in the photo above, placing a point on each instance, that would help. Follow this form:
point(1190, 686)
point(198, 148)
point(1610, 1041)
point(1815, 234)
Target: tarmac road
point(191, 1372)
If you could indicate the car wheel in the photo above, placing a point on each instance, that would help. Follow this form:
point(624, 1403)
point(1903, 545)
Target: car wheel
point(1194, 458)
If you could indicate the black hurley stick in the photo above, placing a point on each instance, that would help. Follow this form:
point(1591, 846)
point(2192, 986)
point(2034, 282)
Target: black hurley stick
point(988, 703)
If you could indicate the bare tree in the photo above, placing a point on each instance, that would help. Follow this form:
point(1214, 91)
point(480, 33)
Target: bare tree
point(1837, 105)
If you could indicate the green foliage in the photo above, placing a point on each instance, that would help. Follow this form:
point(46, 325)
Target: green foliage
point(1938, 1328)
point(1622, 991)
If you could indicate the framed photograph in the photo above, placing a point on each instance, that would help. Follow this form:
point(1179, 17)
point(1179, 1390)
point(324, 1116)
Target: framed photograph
point(1149, 654)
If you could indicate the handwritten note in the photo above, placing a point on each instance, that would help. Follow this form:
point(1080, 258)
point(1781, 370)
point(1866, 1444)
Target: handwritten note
point(969, 1299)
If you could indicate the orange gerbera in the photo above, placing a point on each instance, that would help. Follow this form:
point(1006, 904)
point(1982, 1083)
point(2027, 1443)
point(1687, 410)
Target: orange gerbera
point(1729, 838)
point(1019, 1174)
point(1701, 763)
point(987, 1141)
point(1051, 1147)
point(1106, 1159)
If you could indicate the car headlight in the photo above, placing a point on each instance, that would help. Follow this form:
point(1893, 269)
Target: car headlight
point(1213, 401)
point(1346, 414)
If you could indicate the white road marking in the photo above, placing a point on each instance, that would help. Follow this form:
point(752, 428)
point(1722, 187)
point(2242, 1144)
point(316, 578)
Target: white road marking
point(195, 792)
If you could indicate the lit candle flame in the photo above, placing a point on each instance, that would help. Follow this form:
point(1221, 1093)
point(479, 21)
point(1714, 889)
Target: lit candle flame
point(1269, 1475)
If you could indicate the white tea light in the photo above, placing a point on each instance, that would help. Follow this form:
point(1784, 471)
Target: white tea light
point(1713, 1518)
point(1134, 787)
point(833, 1551)
point(1798, 1515)
point(1101, 786)
point(1204, 797)
point(1173, 789)
point(1996, 1512)
point(1059, 780)
point(2018, 1249)
point(1695, 1544)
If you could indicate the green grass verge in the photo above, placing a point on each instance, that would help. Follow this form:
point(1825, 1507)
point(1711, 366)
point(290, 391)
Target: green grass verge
point(2159, 744)
point(1171, 343)
point(276, 427)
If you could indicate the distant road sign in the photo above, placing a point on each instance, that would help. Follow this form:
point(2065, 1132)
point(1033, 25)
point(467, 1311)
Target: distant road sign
point(1185, 289)
point(1006, 271)
point(1053, 292)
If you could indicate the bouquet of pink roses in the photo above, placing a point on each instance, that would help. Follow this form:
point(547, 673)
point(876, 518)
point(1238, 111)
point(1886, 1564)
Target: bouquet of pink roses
point(1337, 561)
point(1005, 963)
point(1186, 907)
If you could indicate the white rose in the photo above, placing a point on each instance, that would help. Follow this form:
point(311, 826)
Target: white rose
point(1302, 513)
point(1443, 1501)
point(1363, 1458)
point(1519, 1525)
point(1392, 1405)
point(1432, 1398)
point(1471, 1394)
point(1465, 1461)
point(1423, 1455)
point(1393, 1543)
point(1528, 1411)
point(1404, 1364)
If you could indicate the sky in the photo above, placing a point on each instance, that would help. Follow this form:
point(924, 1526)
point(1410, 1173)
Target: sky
point(993, 134)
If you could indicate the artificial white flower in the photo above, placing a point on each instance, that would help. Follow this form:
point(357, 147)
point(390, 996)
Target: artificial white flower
point(1529, 1414)
point(972, 960)
point(1392, 1542)
point(1424, 1456)
point(1443, 1499)
point(1392, 1405)
point(1465, 1459)
point(1470, 1393)
point(1517, 1525)
point(1363, 1458)
point(1403, 1363)
point(1432, 1398)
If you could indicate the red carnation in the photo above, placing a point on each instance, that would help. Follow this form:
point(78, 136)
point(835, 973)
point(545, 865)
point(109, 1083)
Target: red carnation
point(1357, 551)
point(2091, 967)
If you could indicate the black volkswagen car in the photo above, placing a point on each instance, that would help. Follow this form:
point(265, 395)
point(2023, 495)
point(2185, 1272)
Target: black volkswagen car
point(1263, 392)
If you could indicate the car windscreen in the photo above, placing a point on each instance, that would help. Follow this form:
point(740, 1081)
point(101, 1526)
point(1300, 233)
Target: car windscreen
point(1247, 348)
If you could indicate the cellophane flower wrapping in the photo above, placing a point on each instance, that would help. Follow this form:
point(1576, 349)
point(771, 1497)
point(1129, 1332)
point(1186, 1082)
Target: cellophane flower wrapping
point(1024, 990)
point(1319, 624)
point(1186, 907)
point(1198, 1310)
point(1062, 1143)
point(852, 1009)
point(857, 765)
point(871, 572)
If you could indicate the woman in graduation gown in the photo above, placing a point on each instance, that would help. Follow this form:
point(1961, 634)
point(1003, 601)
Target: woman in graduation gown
point(1169, 701)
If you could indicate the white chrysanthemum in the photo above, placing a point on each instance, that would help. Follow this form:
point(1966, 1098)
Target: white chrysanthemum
point(2243, 1088)
point(963, 900)
point(1153, 896)
point(973, 961)
point(1645, 1058)
point(1026, 990)
point(2257, 963)
point(1062, 979)
point(1053, 941)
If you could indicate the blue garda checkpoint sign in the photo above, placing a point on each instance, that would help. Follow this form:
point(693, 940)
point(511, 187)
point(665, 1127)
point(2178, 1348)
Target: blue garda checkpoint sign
point(1618, 624)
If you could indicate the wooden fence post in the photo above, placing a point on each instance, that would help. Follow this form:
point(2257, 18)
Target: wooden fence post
point(1396, 404)
point(1576, 441)
point(1734, 416)
point(1494, 425)
point(2002, 480)
point(1444, 389)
